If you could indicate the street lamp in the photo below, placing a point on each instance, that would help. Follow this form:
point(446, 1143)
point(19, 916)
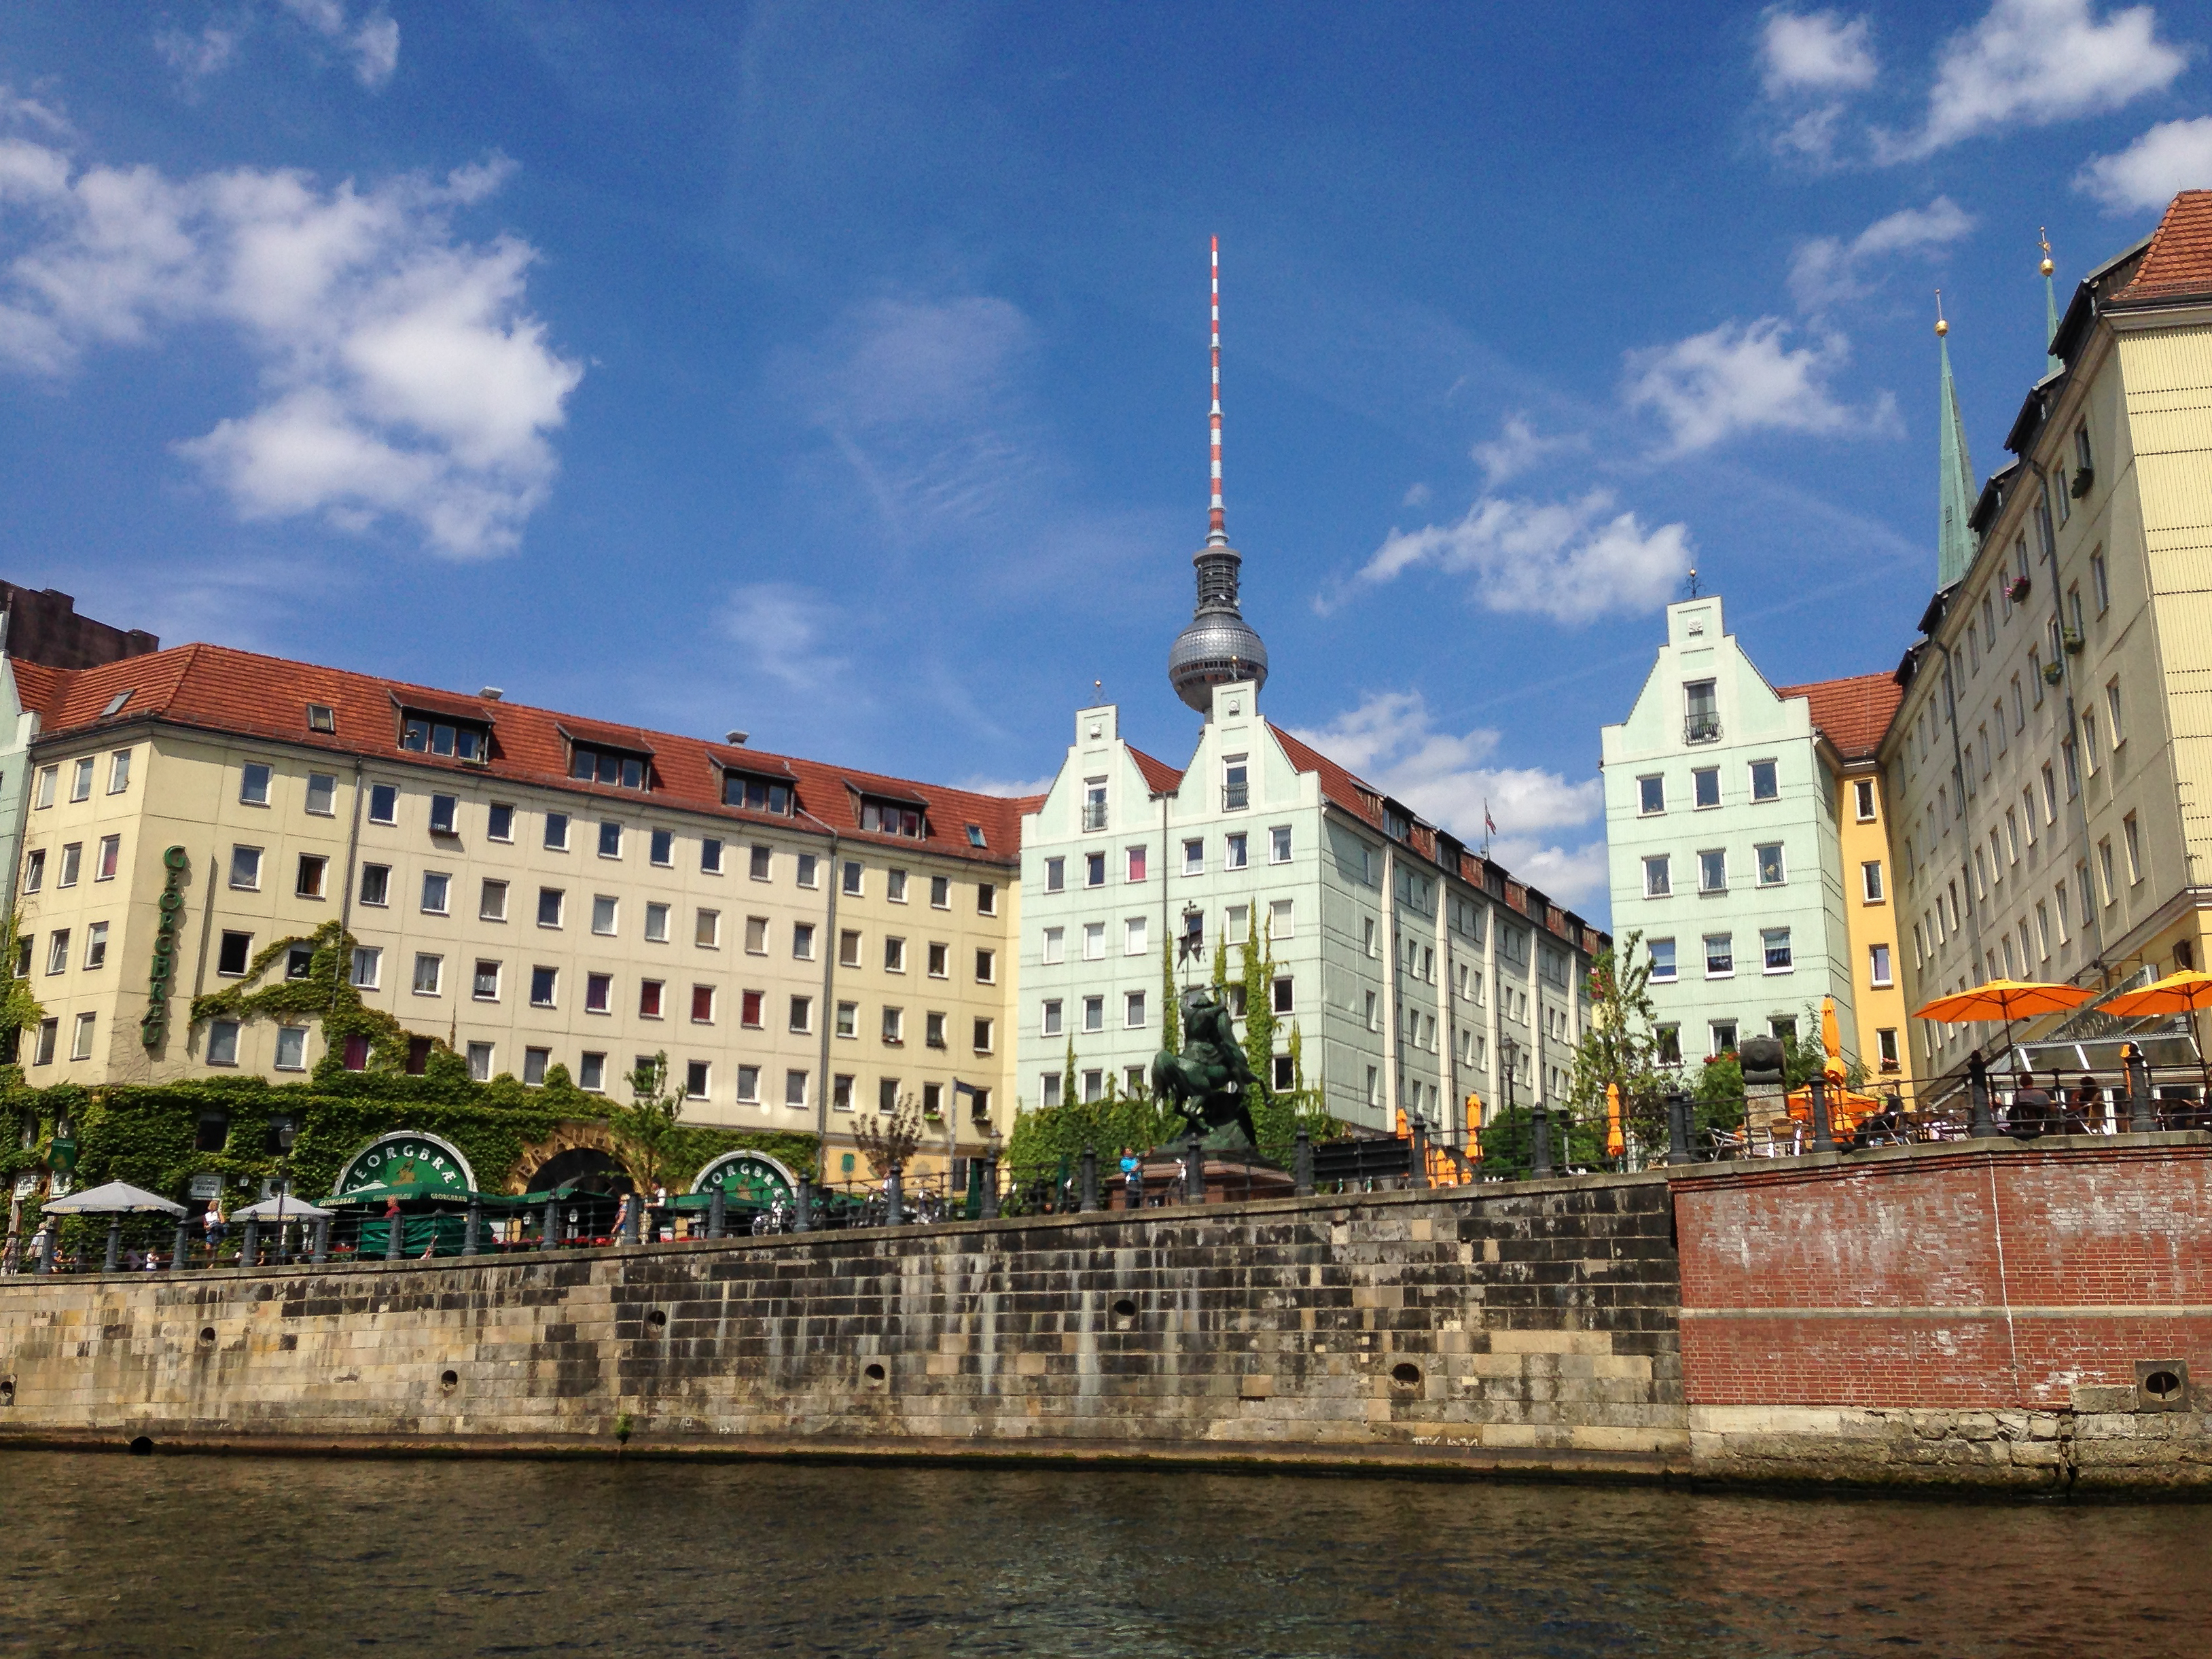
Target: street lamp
point(287, 1133)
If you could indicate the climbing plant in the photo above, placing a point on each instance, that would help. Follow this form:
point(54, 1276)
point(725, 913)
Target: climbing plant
point(325, 993)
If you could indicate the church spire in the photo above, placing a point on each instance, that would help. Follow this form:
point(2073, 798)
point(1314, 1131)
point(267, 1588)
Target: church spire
point(2051, 365)
point(1219, 645)
point(1954, 486)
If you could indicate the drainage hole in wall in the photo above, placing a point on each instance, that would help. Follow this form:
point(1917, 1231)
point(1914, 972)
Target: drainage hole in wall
point(657, 1320)
point(1125, 1308)
point(6, 1390)
point(449, 1381)
point(2162, 1385)
point(142, 1447)
point(207, 1336)
point(874, 1373)
point(1406, 1376)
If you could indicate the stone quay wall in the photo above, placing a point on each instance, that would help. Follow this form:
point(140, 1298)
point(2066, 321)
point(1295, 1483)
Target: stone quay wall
point(2036, 1316)
point(1530, 1326)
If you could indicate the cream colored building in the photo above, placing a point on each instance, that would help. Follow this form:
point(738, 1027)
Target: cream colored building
point(2051, 761)
point(530, 888)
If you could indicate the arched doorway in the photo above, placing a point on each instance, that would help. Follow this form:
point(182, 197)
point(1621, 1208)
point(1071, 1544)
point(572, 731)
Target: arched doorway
point(580, 1169)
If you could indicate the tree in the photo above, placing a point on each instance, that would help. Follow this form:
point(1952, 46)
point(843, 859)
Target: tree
point(1260, 1011)
point(1170, 1003)
point(1621, 1047)
point(19, 1010)
point(644, 1132)
point(888, 1141)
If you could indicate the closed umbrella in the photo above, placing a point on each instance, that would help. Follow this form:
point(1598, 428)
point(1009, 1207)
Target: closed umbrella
point(2181, 992)
point(2007, 1000)
point(1615, 1143)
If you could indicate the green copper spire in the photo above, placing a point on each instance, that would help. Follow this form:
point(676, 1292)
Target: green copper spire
point(2051, 365)
point(1955, 485)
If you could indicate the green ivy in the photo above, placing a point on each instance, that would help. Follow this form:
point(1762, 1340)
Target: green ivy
point(325, 993)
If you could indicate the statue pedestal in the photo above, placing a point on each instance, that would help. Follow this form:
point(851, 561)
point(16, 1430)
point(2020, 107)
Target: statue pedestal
point(1231, 1177)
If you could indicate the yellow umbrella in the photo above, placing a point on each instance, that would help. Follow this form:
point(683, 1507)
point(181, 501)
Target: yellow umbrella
point(1615, 1145)
point(2181, 992)
point(2007, 1000)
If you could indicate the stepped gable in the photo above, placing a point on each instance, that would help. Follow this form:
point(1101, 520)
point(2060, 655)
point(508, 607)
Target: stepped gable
point(215, 689)
point(1854, 711)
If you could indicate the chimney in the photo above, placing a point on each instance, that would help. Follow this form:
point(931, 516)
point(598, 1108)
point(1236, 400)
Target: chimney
point(740, 738)
point(491, 694)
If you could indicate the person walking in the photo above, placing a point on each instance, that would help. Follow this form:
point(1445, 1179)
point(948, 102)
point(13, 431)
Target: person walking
point(216, 1226)
point(622, 1219)
point(1133, 1179)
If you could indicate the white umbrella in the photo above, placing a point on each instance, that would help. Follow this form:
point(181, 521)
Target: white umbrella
point(116, 1198)
point(293, 1210)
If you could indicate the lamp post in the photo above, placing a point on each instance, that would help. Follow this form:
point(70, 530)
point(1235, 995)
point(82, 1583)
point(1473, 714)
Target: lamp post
point(286, 1134)
point(1507, 1052)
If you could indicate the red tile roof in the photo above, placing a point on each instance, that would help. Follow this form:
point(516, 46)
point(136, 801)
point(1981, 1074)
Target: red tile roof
point(212, 688)
point(1159, 777)
point(1853, 713)
point(38, 688)
point(2178, 261)
point(1337, 786)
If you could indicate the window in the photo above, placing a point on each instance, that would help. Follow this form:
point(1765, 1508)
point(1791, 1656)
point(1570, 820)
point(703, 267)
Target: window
point(1701, 712)
point(2090, 751)
point(2073, 767)
point(383, 802)
point(848, 949)
point(1723, 1033)
point(1870, 880)
point(1282, 990)
point(981, 1039)
point(1236, 786)
point(1706, 786)
point(1278, 844)
point(1885, 1041)
point(480, 1062)
point(544, 983)
point(222, 1049)
point(986, 899)
point(603, 913)
point(1049, 1017)
point(895, 1026)
point(1233, 856)
point(2112, 712)
point(1670, 1039)
point(1650, 796)
point(80, 1038)
point(702, 1004)
point(809, 870)
point(96, 945)
point(1094, 941)
point(611, 840)
point(1663, 960)
point(794, 1088)
point(1094, 869)
point(34, 870)
point(557, 832)
point(367, 967)
point(1194, 858)
point(499, 824)
point(550, 903)
point(940, 960)
point(1048, 1089)
point(430, 974)
point(1713, 872)
point(1094, 1013)
point(1878, 966)
point(1056, 944)
point(2050, 795)
point(706, 930)
point(58, 951)
point(1765, 786)
point(1135, 935)
point(2129, 832)
point(1237, 930)
point(1720, 955)
point(649, 999)
point(1655, 880)
point(750, 1009)
point(802, 1014)
point(895, 955)
point(437, 887)
point(940, 892)
point(987, 967)
point(253, 782)
point(841, 1093)
point(1055, 875)
point(444, 810)
point(72, 861)
point(111, 852)
point(598, 994)
point(1769, 858)
point(2105, 869)
point(291, 1048)
point(246, 868)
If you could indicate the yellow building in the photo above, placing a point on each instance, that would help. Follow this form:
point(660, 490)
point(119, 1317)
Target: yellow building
point(530, 888)
point(1850, 716)
point(2051, 761)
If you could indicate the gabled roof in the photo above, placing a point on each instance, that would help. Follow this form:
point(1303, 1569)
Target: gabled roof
point(1852, 712)
point(38, 688)
point(214, 689)
point(1159, 777)
point(2178, 264)
point(1337, 786)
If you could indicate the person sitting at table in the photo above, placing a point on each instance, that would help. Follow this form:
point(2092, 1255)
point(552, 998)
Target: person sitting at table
point(2085, 1107)
point(1879, 1129)
point(2033, 1112)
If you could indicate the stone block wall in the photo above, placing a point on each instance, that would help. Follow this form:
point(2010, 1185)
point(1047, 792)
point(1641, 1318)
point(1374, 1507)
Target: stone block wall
point(1532, 1325)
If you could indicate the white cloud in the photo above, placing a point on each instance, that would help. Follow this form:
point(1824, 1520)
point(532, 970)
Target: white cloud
point(1819, 52)
point(1516, 448)
point(1390, 739)
point(782, 630)
point(1567, 560)
point(1002, 786)
point(2172, 157)
point(1745, 377)
point(1826, 268)
point(16, 110)
point(196, 57)
point(369, 42)
point(373, 43)
point(403, 377)
point(2034, 62)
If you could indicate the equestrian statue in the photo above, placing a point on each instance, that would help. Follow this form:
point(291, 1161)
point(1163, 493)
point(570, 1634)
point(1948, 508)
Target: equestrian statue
point(1210, 1082)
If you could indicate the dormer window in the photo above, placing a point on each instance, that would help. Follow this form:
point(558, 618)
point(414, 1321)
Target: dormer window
point(428, 734)
point(757, 794)
point(609, 766)
point(1396, 824)
point(321, 717)
point(893, 817)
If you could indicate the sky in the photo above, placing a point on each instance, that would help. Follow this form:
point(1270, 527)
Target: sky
point(839, 374)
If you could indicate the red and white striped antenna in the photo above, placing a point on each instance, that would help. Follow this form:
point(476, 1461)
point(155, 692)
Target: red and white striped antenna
point(1217, 522)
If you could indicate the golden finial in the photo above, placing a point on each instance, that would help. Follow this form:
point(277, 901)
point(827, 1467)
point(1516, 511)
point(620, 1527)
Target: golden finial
point(2043, 236)
point(1941, 327)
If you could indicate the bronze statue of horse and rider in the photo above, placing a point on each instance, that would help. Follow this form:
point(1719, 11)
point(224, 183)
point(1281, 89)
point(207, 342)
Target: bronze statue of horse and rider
point(1210, 1082)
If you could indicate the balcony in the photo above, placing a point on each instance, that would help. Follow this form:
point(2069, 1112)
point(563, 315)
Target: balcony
point(1094, 816)
point(1236, 797)
point(1702, 728)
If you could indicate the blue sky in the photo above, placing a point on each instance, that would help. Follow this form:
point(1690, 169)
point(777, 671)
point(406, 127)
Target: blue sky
point(840, 376)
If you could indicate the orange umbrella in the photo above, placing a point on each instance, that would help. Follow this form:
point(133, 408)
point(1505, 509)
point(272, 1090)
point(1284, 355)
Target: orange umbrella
point(2181, 992)
point(1615, 1143)
point(2007, 1000)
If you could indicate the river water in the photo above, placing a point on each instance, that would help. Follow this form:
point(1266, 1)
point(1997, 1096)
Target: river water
point(172, 1555)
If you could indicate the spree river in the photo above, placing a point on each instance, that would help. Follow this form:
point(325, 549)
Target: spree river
point(168, 1555)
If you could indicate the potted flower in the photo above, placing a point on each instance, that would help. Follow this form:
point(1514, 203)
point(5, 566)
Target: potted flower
point(2016, 590)
point(2052, 673)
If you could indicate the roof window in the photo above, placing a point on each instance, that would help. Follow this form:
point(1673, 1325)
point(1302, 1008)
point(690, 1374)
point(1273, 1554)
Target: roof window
point(975, 835)
point(609, 766)
point(757, 794)
point(321, 717)
point(891, 817)
point(423, 734)
point(115, 704)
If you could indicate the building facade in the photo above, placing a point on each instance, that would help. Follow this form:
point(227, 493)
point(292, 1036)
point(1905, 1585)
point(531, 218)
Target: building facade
point(1403, 960)
point(2052, 754)
point(527, 887)
point(1723, 844)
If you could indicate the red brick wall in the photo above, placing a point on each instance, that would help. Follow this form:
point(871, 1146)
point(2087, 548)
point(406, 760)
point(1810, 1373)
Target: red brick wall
point(1946, 1278)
